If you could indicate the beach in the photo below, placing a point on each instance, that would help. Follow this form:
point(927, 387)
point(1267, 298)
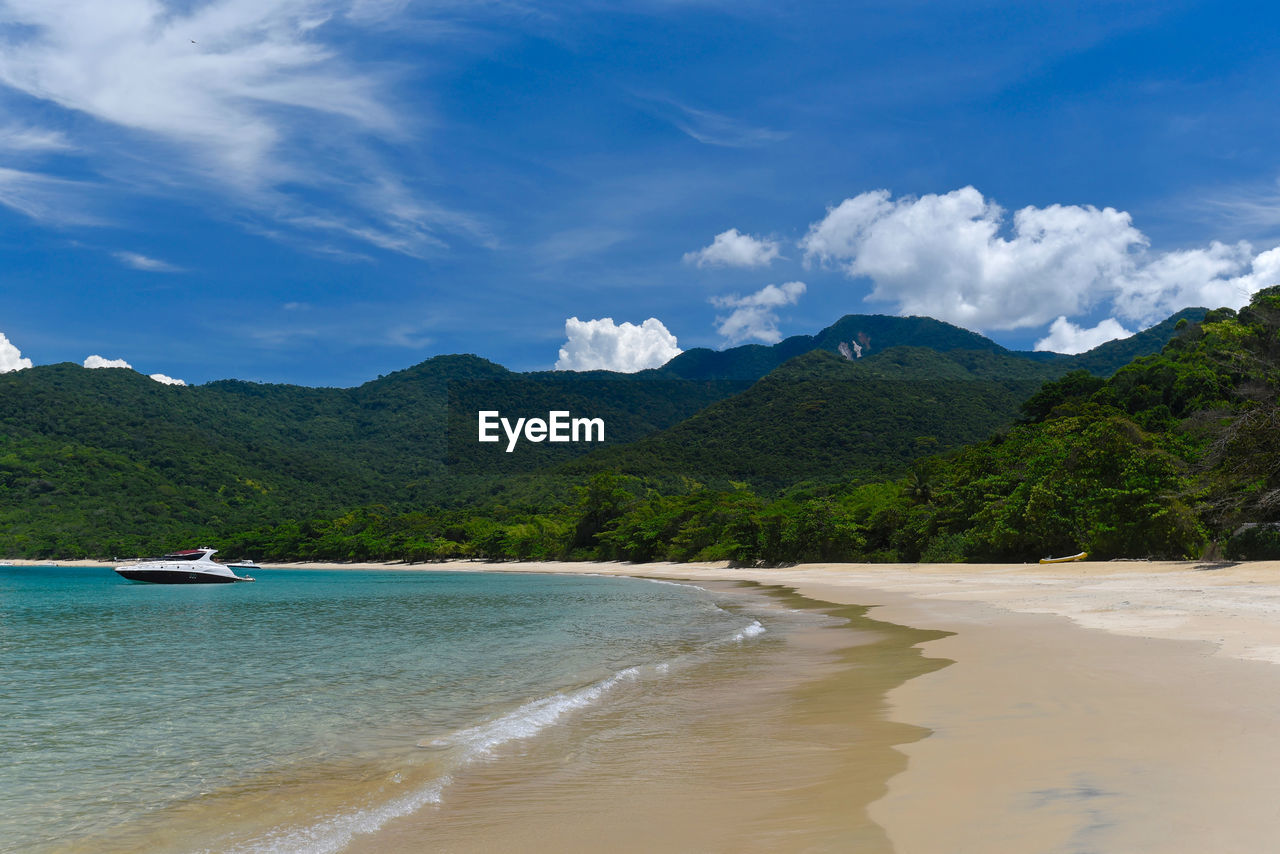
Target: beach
point(1125, 706)
point(1121, 706)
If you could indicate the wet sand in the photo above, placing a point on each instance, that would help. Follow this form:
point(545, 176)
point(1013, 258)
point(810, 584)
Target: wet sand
point(781, 746)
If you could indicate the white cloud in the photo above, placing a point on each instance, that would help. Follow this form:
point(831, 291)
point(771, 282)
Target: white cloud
point(96, 361)
point(718, 129)
point(755, 315)
point(711, 128)
point(602, 345)
point(732, 249)
point(260, 103)
point(142, 262)
point(11, 358)
point(1066, 337)
point(21, 138)
point(133, 63)
point(1221, 275)
point(43, 197)
point(944, 256)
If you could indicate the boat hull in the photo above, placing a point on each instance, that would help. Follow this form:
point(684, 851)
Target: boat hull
point(174, 576)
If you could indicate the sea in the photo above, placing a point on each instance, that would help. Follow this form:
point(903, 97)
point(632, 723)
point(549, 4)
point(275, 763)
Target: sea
point(312, 711)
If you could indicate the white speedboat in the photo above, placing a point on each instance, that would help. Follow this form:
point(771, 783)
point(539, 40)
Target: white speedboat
point(192, 566)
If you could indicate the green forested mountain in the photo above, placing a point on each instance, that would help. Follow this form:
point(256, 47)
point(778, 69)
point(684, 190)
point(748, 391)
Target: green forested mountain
point(875, 333)
point(821, 417)
point(870, 332)
point(102, 462)
point(1106, 359)
point(108, 461)
point(1166, 458)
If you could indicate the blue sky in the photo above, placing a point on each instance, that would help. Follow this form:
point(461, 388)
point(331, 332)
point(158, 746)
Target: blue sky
point(319, 192)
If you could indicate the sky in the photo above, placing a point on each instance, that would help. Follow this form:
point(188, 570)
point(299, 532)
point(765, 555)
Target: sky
point(324, 191)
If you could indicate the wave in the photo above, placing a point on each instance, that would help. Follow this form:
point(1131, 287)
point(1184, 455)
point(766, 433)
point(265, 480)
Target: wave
point(531, 718)
point(335, 833)
point(670, 583)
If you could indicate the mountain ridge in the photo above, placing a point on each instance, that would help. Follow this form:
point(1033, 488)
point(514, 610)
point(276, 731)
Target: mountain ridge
point(108, 461)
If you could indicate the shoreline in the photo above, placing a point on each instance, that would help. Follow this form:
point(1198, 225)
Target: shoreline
point(1233, 606)
point(1117, 706)
point(1091, 706)
point(774, 745)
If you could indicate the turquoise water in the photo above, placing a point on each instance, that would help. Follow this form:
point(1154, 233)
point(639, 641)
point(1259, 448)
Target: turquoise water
point(125, 706)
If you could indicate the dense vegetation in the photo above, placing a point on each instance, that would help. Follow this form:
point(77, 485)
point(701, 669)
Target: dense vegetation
point(107, 462)
point(825, 458)
point(822, 418)
point(1165, 458)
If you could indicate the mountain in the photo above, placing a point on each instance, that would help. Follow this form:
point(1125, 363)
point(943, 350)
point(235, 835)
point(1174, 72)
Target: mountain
point(1109, 357)
point(1174, 452)
point(108, 461)
point(873, 333)
point(103, 462)
point(824, 418)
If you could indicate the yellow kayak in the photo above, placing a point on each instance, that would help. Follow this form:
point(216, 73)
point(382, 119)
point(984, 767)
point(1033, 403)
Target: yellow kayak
point(1080, 556)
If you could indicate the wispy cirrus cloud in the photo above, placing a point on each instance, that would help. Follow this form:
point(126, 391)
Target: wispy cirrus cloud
point(712, 128)
point(260, 104)
point(18, 138)
point(145, 263)
point(59, 201)
point(1256, 206)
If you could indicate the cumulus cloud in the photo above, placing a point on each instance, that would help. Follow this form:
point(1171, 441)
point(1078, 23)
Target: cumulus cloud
point(96, 361)
point(958, 257)
point(166, 380)
point(11, 358)
point(943, 256)
point(602, 345)
point(1066, 337)
point(732, 249)
point(755, 315)
point(1221, 275)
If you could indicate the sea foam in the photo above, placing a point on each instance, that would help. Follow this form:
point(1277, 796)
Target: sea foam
point(335, 833)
